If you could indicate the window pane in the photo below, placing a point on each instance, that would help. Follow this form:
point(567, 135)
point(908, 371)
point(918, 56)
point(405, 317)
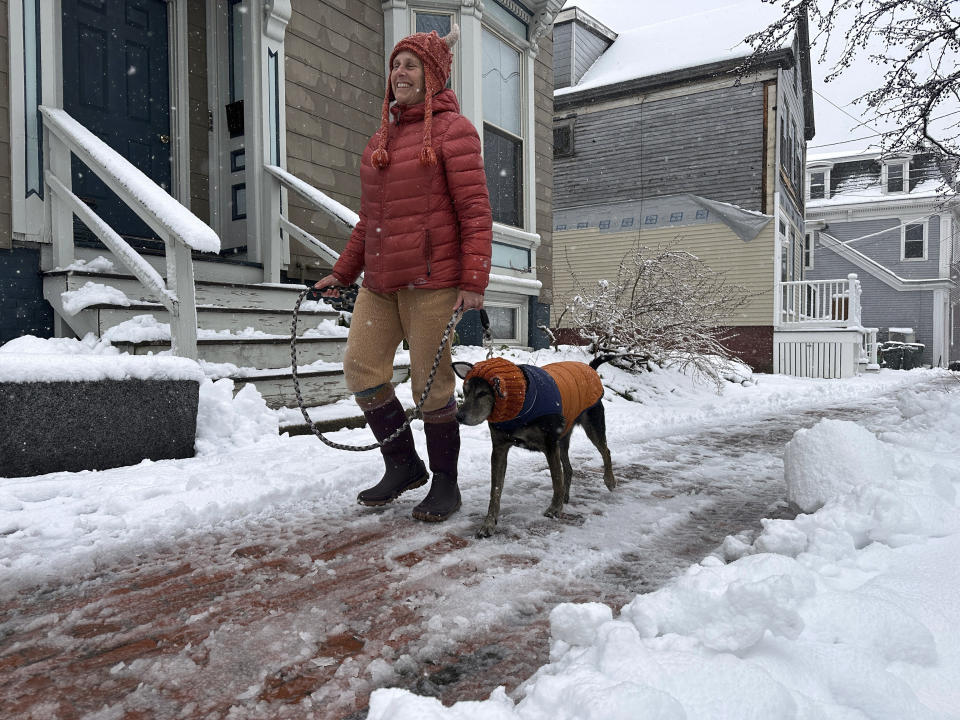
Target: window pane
point(508, 256)
point(502, 160)
point(238, 11)
point(501, 84)
point(427, 22)
point(506, 18)
point(816, 186)
point(895, 178)
point(913, 242)
point(503, 322)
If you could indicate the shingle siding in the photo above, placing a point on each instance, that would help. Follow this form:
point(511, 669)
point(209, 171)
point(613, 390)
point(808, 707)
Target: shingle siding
point(334, 91)
point(6, 207)
point(708, 143)
point(587, 46)
point(562, 46)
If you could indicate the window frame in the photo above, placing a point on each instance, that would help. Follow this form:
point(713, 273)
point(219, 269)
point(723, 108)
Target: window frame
point(903, 240)
point(808, 245)
point(905, 183)
point(568, 125)
point(519, 317)
point(826, 182)
point(495, 29)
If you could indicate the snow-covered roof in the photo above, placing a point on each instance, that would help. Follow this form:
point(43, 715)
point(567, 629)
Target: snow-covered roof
point(686, 41)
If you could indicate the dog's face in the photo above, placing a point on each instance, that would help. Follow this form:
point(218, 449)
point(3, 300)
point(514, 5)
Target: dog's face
point(478, 397)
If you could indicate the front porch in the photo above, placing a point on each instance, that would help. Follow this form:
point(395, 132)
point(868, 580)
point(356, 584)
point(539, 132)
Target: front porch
point(818, 330)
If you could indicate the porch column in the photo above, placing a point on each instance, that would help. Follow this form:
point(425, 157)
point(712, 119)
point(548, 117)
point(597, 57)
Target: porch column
point(264, 116)
point(940, 356)
point(471, 77)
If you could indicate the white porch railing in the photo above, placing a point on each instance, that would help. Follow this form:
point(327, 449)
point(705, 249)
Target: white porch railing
point(341, 213)
point(819, 303)
point(180, 230)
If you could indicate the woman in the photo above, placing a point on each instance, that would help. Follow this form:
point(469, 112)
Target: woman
point(423, 244)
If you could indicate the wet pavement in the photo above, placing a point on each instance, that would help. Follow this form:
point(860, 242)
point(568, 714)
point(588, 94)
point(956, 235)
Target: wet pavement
point(268, 618)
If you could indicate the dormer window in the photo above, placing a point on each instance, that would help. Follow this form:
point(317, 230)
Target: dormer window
point(818, 183)
point(896, 177)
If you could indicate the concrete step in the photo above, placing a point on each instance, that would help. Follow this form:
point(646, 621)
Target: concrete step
point(222, 294)
point(250, 352)
point(316, 387)
point(273, 322)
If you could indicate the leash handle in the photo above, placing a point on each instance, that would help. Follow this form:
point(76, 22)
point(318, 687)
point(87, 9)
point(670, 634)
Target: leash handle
point(487, 334)
point(417, 411)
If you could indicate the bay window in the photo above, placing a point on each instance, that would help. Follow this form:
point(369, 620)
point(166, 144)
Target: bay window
point(502, 128)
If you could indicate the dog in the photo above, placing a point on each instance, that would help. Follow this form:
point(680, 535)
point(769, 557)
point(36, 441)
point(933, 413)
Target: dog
point(534, 408)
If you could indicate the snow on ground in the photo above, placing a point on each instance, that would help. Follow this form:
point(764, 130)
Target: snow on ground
point(848, 611)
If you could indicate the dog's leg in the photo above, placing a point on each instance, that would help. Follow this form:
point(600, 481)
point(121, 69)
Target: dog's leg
point(556, 474)
point(567, 467)
point(595, 425)
point(498, 469)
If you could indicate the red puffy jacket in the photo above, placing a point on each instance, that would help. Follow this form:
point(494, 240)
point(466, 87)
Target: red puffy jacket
point(424, 227)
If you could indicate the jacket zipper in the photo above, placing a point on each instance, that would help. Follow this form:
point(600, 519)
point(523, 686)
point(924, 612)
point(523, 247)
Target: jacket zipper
point(426, 249)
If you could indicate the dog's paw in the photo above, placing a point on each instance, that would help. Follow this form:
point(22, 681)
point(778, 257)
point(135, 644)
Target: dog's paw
point(610, 482)
point(485, 531)
point(553, 512)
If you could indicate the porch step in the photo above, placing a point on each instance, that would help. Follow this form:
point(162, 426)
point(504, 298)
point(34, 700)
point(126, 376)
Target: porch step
point(263, 296)
point(316, 387)
point(249, 352)
point(273, 322)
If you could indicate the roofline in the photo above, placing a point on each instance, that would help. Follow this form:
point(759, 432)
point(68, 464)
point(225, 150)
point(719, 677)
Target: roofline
point(575, 13)
point(779, 58)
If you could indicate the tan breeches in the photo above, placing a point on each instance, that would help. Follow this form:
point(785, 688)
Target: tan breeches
point(380, 323)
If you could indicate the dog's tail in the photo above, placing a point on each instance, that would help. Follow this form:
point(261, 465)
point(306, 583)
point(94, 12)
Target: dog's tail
point(601, 359)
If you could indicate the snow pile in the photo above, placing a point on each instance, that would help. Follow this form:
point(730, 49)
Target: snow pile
point(99, 264)
point(847, 612)
point(92, 294)
point(225, 421)
point(30, 359)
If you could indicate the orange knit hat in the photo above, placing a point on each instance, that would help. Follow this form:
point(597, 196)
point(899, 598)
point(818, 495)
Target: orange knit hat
point(508, 383)
point(434, 52)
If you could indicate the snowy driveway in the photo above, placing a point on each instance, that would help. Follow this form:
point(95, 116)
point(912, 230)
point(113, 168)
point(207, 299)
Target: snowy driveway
point(302, 609)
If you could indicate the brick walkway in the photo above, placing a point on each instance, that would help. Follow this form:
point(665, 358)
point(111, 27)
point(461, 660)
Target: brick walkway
point(294, 626)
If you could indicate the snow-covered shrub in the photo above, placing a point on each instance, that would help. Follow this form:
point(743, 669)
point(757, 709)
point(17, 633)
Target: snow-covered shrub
point(665, 307)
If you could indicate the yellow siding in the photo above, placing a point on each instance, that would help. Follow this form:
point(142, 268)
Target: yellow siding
point(591, 256)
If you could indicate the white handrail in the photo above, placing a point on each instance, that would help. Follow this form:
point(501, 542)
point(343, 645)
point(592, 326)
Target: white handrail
point(820, 303)
point(337, 211)
point(180, 230)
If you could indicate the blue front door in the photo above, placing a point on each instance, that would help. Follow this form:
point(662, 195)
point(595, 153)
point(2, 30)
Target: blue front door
point(116, 83)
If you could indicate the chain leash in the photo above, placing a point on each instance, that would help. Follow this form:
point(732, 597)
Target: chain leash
point(417, 412)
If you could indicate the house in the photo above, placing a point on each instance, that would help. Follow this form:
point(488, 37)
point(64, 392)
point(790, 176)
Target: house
point(660, 141)
point(209, 152)
point(892, 220)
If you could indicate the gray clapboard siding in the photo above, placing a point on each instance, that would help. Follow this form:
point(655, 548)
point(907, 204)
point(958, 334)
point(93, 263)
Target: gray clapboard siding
point(882, 306)
point(885, 248)
point(708, 143)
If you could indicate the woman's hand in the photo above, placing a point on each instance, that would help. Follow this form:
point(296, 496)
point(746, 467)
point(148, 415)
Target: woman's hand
point(328, 286)
point(467, 300)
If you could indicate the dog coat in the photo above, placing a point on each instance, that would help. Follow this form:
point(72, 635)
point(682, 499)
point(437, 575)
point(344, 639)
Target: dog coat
point(526, 392)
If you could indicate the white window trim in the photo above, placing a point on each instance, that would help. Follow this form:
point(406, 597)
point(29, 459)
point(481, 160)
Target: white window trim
point(826, 182)
point(906, 177)
point(903, 240)
point(808, 249)
point(521, 326)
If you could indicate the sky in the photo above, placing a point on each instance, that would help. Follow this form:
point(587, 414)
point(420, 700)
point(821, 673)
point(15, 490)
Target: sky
point(841, 125)
point(847, 611)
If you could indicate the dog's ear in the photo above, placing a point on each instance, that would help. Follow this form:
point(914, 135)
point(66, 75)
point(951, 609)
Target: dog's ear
point(462, 368)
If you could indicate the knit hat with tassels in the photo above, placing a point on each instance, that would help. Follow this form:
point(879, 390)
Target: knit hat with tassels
point(434, 53)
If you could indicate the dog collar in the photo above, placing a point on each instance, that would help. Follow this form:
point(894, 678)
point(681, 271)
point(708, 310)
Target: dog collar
point(508, 383)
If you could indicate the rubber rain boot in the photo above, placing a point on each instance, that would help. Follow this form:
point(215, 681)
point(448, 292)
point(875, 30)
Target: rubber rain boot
point(443, 449)
point(404, 470)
